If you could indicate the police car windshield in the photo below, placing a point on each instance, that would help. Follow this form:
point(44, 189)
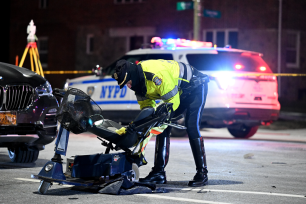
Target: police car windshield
point(228, 61)
point(109, 70)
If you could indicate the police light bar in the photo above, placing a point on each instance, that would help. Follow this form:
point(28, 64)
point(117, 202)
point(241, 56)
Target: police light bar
point(170, 42)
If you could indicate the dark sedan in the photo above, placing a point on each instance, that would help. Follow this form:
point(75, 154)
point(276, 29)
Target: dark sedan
point(27, 113)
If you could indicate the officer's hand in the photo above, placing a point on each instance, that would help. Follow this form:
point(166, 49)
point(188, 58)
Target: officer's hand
point(130, 129)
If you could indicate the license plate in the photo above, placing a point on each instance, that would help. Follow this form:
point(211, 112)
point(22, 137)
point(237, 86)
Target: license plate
point(8, 118)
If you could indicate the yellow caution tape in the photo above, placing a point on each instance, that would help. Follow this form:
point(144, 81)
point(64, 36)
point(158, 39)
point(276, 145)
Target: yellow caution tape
point(263, 74)
point(69, 72)
point(232, 74)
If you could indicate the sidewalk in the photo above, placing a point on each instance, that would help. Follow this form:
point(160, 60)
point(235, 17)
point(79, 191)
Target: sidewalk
point(288, 135)
point(292, 116)
point(287, 121)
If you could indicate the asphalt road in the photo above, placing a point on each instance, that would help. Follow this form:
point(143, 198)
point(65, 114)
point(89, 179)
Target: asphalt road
point(268, 168)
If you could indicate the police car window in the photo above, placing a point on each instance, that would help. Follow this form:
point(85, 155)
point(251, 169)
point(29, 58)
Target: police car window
point(160, 56)
point(226, 61)
point(109, 70)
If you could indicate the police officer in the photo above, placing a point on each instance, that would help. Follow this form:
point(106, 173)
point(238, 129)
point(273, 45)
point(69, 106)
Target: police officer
point(177, 83)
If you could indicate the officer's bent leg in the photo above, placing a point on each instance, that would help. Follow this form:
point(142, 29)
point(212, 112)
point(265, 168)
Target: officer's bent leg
point(161, 157)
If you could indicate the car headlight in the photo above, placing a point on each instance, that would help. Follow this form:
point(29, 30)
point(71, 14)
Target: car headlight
point(44, 89)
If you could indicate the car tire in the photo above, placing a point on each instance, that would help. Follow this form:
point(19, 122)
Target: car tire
point(18, 155)
point(243, 132)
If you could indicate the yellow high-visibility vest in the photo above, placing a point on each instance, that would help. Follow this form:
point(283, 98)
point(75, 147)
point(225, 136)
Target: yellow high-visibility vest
point(164, 83)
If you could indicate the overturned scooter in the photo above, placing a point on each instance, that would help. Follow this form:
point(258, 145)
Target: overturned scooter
point(78, 113)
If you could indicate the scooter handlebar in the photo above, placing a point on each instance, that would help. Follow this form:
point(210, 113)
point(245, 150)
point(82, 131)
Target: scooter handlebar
point(59, 92)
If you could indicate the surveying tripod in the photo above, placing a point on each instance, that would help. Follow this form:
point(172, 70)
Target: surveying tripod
point(32, 47)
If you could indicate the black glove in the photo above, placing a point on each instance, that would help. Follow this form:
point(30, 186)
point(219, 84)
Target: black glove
point(129, 138)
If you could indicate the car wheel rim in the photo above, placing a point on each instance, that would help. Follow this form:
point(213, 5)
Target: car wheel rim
point(11, 153)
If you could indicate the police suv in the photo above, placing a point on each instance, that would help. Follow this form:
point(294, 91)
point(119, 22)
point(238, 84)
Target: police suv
point(242, 91)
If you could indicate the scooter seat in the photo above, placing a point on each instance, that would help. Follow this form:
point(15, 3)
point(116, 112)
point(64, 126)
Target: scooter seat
point(107, 131)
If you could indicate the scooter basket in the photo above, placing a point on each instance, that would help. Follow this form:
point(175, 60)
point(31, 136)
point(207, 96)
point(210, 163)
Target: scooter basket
point(77, 111)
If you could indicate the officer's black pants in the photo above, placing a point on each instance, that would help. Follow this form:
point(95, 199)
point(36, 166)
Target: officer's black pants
point(194, 103)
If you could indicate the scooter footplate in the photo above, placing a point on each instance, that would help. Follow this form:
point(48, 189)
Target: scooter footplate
point(69, 181)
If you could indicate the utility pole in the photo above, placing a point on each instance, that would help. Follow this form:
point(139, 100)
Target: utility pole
point(196, 19)
point(279, 51)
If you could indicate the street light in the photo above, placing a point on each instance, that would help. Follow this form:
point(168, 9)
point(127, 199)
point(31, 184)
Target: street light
point(279, 61)
point(196, 19)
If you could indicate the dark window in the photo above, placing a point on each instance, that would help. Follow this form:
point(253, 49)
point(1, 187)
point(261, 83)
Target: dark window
point(43, 3)
point(302, 95)
point(221, 39)
point(160, 56)
point(109, 70)
point(136, 42)
point(209, 37)
point(233, 39)
point(43, 45)
point(291, 56)
point(291, 48)
point(90, 44)
point(226, 61)
point(43, 51)
point(128, 1)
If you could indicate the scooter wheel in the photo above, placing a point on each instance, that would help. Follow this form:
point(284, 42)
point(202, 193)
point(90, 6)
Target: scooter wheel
point(43, 187)
point(135, 172)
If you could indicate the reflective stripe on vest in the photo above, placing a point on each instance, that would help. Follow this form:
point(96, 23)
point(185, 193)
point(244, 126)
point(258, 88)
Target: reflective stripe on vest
point(170, 94)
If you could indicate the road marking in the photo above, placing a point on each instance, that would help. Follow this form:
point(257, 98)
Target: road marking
point(246, 192)
point(179, 199)
point(195, 189)
point(258, 193)
point(269, 133)
point(38, 181)
point(32, 180)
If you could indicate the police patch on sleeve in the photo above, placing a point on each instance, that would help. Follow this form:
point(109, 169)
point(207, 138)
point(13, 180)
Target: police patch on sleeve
point(157, 81)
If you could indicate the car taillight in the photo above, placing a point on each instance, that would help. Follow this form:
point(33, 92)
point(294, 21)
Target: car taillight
point(262, 68)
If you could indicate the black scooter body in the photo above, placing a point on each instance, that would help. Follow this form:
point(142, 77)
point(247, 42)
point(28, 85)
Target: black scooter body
point(97, 169)
point(97, 165)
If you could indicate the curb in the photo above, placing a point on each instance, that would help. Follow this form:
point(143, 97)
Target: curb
point(292, 116)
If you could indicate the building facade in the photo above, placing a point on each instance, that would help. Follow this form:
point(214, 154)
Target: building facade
point(77, 35)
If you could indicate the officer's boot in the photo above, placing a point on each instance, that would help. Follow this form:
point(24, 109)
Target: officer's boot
point(198, 151)
point(158, 174)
